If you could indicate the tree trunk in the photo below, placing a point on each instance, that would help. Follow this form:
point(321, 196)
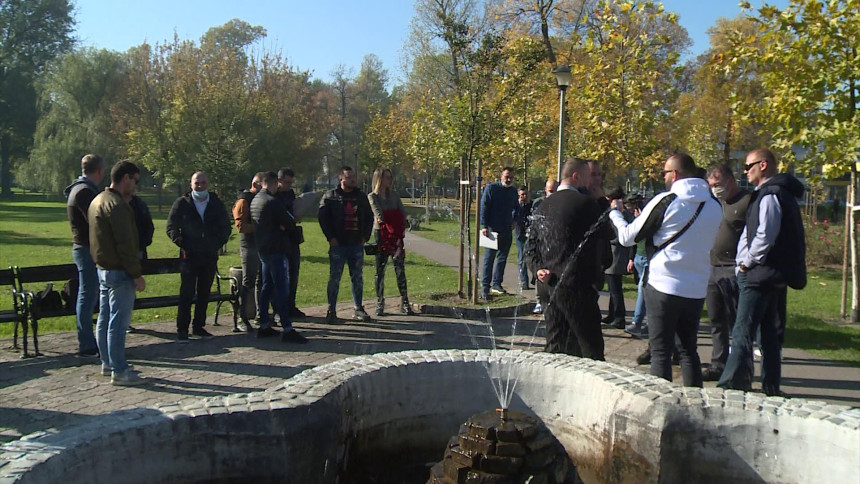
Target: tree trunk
point(846, 239)
point(5, 167)
point(855, 263)
point(478, 180)
point(427, 199)
point(462, 247)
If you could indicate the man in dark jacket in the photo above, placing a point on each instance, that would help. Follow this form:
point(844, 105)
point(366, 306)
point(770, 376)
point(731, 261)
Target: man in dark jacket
point(199, 226)
point(286, 176)
point(722, 298)
point(498, 206)
point(521, 227)
point(272, 223)
point(346, 220)
point(771, 255)
point(79, 195)
point(560, 224)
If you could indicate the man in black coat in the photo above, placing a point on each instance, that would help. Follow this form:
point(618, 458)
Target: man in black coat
point(272, 228)
point(199, 225)
point(560, 224)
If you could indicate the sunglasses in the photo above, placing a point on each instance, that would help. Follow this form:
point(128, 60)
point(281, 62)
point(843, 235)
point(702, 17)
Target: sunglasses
point(749, 166)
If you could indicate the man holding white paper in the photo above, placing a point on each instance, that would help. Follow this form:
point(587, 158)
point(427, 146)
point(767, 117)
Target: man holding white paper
point(498, 207)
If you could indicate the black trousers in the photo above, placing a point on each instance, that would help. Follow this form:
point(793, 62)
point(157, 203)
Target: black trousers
point(294, 255)
point(196, 274)
point(668, 316)
point(722, 300)
point(573, 321)
point(617, 310)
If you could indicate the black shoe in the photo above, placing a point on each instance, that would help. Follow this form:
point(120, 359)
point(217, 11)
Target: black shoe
point(498, 290)
point(293, 336)
point(712, 373)
point(406, 309)
point(182, 338)
point(267, 332)
point(618, 324)
point(380, 307)
point(89, 354)
point(644, 358)
point(130, 329)
point(607, 320)
point(297, 313)
point(202, 333)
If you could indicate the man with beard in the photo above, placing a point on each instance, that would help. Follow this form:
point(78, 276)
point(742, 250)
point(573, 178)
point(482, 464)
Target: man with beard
point(559, 226)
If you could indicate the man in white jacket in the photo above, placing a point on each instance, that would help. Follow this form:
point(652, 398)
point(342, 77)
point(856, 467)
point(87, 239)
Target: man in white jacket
point(679, 227)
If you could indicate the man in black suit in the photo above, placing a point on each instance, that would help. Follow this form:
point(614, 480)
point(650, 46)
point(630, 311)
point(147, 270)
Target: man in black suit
point(560, 224)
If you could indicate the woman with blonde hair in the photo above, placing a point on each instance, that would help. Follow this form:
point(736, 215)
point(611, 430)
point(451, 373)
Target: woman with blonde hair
point(389, 229)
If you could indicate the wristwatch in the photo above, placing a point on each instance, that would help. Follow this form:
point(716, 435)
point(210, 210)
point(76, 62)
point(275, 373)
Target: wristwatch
point(742, 267)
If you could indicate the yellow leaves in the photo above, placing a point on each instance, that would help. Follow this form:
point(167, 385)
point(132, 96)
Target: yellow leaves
point(625, 7)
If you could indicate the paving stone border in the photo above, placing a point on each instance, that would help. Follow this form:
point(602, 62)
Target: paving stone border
point(616, 423)
point(478, 314)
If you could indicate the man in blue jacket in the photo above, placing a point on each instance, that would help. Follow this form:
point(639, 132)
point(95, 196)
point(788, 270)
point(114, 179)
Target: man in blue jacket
point(498, 208)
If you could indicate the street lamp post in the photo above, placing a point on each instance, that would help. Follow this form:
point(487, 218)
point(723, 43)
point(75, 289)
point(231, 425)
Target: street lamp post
point(562, 78)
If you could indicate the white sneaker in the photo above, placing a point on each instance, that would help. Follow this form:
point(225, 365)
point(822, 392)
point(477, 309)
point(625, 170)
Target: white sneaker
point(756, 354)
point(106, 371)
point(538, 309)
point(126, 379)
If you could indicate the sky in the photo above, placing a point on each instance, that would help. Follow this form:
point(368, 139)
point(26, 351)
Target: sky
point(314, 35)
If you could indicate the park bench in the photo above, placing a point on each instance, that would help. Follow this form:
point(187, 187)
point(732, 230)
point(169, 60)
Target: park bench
point(29, 313)
point(8, 277)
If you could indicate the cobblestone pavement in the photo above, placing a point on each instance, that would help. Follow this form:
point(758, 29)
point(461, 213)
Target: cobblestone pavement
point(59, 389)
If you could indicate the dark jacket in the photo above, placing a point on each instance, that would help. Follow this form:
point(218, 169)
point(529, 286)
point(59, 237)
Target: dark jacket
point(145, 227)
point(79, 195)
point(557, 229)
point(521, 220)
point(498, 205)
point(331, 214)
point(189, 232)
point(620, 255)
point(785, 262)
point(734, 220)
point(113, 238)
point(287, 198)
point(270, 219)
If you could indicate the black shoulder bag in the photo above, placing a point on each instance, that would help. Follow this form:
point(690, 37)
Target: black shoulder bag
point(651, 250)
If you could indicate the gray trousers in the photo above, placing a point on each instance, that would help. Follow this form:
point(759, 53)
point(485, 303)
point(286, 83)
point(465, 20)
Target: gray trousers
point(251, 283)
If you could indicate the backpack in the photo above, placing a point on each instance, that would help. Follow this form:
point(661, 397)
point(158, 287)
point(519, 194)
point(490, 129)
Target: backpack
point(47, 300)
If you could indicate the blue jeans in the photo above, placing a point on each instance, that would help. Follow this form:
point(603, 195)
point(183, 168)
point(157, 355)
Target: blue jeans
point(353, 257)
point(640, 262)
point(88, 292)
point(521, 262)
point(117, 301)
point(495, 260)
point(276, 277)
point(757, 308)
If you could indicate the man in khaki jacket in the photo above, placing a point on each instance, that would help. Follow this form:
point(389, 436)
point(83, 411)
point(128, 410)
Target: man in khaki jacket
point(114, 247)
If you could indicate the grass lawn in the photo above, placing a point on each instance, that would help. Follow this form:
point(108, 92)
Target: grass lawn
point(36, 232)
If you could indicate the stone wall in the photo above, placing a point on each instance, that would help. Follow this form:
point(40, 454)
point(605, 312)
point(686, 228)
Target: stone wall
point(617, 424)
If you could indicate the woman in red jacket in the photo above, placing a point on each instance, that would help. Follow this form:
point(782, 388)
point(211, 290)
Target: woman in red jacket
point(389, 229)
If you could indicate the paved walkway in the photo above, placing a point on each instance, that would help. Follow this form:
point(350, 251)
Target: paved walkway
point(60, 389)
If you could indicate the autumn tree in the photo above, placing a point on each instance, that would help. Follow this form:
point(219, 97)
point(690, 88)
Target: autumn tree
point(32, 32)
point(76, 93)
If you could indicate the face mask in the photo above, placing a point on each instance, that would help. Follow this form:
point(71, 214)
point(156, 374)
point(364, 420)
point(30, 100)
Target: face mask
point(719, 192)
point(201, 195)
point(508, 183)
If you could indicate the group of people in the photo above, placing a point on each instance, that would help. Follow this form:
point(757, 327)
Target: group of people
point(702, 239)
point(111, 230)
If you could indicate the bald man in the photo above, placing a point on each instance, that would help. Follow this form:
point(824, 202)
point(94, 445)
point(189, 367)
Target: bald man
point(199, 225)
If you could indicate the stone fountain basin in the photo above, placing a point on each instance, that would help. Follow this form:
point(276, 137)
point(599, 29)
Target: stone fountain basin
point(617, 425)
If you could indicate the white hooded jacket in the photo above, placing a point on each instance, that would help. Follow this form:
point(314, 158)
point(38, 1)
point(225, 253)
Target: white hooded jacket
point(683, 267)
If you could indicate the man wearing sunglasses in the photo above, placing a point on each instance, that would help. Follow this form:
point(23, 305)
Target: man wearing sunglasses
point(771, 255)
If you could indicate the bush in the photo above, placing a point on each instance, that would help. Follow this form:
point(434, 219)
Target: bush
point(824, 243)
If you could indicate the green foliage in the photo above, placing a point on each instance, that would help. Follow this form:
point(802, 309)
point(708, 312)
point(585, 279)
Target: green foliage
point(824, 243)
point(32, 32)
point(807, 60)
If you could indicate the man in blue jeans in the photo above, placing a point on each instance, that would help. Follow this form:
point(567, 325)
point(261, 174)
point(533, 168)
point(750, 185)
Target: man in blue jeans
point(114, 245)
point(498, 207)
point(346, 220)
point(79, 195)
point(771, 255)
point(521, 228)
point(273, 226)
